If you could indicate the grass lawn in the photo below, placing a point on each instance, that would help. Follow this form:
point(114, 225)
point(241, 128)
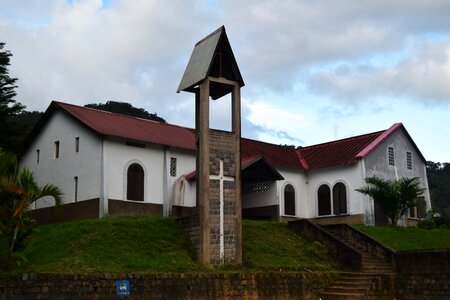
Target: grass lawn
point(272, 245)
point(156, 244)
point(111, 245)
point(408, 238)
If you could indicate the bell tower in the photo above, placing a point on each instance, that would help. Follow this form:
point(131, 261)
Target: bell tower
point(211, 74)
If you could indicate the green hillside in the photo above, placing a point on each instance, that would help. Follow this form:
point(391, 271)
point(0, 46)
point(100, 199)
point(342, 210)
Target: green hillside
point(408, 238)
point(155, 244)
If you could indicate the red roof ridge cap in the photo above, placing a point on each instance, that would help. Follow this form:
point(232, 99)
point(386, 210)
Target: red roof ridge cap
point(341, 140)
point(302, 160)
point(369, 148)
point(62, 104)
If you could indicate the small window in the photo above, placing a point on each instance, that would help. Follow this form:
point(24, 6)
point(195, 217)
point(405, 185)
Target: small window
point(38, 153)
point(77, 144)
point(75, 194)
point(56, 149)
point(173, 166)
point(409, 160)
point(391, 155)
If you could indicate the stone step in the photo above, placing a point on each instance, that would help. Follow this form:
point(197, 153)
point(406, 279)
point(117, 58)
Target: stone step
point(341, 296)
point(351, 290)
point(353, 283)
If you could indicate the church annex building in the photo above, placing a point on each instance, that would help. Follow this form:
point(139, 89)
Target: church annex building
point(109, 164)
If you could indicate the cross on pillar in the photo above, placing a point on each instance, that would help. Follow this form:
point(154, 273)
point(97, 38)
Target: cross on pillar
point(222, 178)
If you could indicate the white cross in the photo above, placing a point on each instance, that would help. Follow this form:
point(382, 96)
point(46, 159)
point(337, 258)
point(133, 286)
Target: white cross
point(221, 179)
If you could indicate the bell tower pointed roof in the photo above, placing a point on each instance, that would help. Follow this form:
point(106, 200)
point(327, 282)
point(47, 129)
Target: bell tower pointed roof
point(212, 57)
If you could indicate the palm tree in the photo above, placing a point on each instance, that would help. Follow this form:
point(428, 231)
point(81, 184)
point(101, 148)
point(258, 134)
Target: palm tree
point(394, 197)
point(18, 191)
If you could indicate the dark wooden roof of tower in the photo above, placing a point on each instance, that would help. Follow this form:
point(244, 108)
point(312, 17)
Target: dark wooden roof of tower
point(212, 56)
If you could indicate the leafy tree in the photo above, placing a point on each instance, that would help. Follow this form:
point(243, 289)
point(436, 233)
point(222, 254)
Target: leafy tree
point(439, 184)
point(394, 197)
point(18, 190)
point(126, 109)
point(8, 106)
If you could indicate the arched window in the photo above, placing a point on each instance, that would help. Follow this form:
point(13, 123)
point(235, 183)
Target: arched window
point(324, 198)
point(339, 199)
point(135, 182)
point(289, 200)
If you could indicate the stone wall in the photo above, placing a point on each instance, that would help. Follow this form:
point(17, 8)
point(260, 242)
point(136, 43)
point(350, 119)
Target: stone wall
point(270, 212)
point(191, 226)
point(362, 241)
point(86, 209)
point(222, 147)
point(343, 253)
point(421, 274)
point(128, 208)
point(167, 286)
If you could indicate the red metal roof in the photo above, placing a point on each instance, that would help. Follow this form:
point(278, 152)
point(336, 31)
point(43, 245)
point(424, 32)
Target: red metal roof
point(132, 128)
point(326, 155)
point(337, 153)
point(276, 155)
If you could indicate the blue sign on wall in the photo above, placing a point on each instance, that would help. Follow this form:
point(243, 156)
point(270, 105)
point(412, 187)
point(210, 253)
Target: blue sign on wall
point(123, 288)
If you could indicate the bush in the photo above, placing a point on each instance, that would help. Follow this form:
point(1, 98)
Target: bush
point(426, 224)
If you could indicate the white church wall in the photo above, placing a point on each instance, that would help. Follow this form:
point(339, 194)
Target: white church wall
point(185, 164)
point(261, 198)
point(118, 156)
point(351, 176)
point(298, 180)
point(61, 171)
point(377, 162)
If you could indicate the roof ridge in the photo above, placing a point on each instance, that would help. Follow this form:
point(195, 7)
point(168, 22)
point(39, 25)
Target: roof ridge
point(108, 112)
point(122, 115)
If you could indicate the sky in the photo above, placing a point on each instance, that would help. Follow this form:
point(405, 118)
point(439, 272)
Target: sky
point(314, 70)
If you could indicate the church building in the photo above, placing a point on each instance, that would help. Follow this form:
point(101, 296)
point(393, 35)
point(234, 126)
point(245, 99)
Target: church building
point(109, 164)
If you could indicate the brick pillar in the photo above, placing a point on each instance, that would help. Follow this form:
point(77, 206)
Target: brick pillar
point(219, 183)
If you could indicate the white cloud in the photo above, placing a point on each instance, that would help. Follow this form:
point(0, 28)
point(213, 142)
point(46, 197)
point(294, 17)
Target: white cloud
point(422, 77)
point(283, 125)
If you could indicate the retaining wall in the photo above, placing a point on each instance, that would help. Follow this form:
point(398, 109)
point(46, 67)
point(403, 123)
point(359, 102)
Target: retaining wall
point(167, 286)
point(421, 274)
point(344, 253)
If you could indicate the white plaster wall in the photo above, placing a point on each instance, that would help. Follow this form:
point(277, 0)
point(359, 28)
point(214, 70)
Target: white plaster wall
point(377, 163)
point(298, 180)
point(185, 165)
point(119, 156)
point(61, 171)
point(267, 198)
point(352, 176)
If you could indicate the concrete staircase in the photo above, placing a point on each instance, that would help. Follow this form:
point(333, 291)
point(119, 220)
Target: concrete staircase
point(366, 284)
